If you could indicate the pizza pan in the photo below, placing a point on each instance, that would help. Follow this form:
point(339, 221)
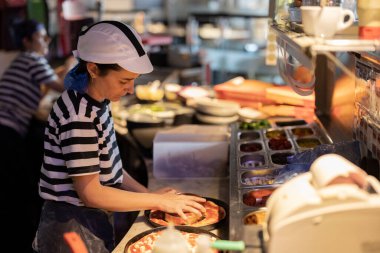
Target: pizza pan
point(206, 227)
point(188, 229)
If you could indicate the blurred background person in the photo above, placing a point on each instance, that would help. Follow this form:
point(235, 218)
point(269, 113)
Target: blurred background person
point(22, 87)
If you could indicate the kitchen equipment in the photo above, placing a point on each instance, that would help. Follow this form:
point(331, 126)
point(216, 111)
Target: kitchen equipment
point(305, 216)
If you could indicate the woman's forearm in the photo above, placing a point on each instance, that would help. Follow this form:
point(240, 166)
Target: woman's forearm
point(130, 184)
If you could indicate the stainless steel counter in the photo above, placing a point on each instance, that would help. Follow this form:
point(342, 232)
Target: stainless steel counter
point(217, 188)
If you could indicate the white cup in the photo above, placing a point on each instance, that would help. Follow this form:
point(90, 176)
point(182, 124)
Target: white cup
point(325, 21)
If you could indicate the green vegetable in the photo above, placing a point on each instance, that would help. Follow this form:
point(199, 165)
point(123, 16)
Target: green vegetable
point(255, 125)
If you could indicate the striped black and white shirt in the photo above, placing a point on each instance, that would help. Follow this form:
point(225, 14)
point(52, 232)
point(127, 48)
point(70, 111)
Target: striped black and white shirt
point(79, 140)
point(20, 92)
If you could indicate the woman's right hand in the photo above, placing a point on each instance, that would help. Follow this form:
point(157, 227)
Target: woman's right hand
point(171, 202)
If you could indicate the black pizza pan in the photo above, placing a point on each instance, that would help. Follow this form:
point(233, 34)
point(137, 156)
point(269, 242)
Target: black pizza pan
point(188, 229)
point(206, 227)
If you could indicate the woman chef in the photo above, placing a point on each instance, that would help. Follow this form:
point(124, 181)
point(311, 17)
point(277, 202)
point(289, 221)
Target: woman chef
point(82, 179)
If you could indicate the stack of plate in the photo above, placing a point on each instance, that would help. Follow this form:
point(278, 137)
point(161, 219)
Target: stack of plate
point(248, 114)
point(216, 111)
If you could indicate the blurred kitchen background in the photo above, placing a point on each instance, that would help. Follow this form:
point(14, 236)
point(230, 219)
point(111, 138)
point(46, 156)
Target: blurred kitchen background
point(226, 38)
point(220, 45)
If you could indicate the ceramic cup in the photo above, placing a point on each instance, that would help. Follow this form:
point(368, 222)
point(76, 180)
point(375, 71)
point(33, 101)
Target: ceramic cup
point(325, 21)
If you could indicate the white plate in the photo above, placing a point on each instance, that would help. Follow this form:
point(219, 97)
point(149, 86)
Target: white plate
point(215, 119)
point(217, 107)
point(250, 113)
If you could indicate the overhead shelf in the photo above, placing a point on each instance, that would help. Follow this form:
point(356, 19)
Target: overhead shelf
point(341, 42)
point(305, 48)
point(231, 13)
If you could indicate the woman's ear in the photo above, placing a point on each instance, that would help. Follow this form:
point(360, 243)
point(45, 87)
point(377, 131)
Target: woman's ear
point(92, 69)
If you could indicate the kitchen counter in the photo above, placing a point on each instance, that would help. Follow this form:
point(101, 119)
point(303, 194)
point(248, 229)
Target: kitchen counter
point(217, 188)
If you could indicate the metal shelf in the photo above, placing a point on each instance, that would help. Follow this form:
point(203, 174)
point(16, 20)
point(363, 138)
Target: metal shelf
point(341, 42)
point(306, 48)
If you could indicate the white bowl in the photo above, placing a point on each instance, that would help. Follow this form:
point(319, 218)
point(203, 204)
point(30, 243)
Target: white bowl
point(216, 107)
point(216, 119)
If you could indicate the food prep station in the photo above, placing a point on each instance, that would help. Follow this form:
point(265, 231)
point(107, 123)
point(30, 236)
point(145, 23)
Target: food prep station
point(252, 170)
point(252, 173)
point(346, 110)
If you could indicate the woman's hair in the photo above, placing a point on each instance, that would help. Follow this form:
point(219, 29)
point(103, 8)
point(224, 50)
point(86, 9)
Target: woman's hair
point(78, 77)
point(25, 29)
point(103, 68)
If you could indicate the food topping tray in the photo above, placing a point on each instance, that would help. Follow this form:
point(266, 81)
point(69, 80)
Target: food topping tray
point(258, 153)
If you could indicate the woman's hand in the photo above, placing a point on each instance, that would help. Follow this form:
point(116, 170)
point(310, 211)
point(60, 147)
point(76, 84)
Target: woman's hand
point(173, 202)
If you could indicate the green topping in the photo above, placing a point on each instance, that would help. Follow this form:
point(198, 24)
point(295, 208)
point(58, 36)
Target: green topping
point(255, 125)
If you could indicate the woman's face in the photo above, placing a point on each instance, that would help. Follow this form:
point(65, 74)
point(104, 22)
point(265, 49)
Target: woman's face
point(39, 42)
point(112, 86)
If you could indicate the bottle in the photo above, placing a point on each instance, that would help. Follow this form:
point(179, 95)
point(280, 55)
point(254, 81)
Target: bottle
point(171, 241)
point(203, 244)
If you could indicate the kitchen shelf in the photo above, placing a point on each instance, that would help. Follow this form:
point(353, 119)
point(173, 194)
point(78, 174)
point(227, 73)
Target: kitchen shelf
point(230, 13)
point(304, 47)
point(309, 45)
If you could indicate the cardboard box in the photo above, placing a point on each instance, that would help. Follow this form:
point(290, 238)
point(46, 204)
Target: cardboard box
point(191, 151)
